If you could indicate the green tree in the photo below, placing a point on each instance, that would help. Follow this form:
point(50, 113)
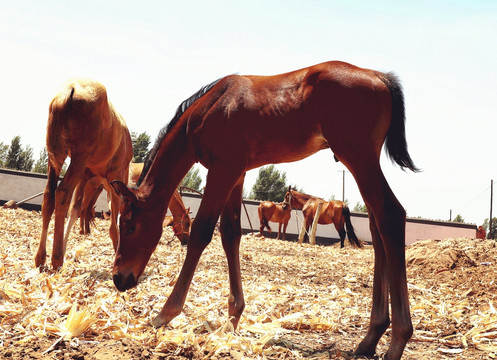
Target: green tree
point(458, 219)
point(26, 159)
point(270, 185)
point(192, 179)
point(13, 159)
point(490, 235)
point(140, 146)
point(41, 165)
point(4, 148)
point(359, 207)
point(17, 158)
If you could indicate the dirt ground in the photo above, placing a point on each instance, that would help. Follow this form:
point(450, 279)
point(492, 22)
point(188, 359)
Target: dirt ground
point(302, 301)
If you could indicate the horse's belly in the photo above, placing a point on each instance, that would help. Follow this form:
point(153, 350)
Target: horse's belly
point(285, 151)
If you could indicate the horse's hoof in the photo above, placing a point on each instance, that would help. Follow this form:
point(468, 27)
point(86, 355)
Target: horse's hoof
point(40, 261)
point(157, 322)
point(57, 264)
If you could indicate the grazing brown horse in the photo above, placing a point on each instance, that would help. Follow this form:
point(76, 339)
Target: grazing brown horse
point(83, 125)
point(280, 213)
point(334, 212)
point(180, 219)
point(240, 123)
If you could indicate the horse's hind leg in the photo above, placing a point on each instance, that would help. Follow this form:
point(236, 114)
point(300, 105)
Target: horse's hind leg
point(390, 269)
point(380, 319)
point(63, 196)
point(75, 210)
point(47, 209)
point(342, 233)
point(261, 221)
point(231, 233)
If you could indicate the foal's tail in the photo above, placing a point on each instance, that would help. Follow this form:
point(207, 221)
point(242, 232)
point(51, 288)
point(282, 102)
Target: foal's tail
point(396, 144)
point(57, 141)
point(263, 219)
point(354, 241)
point(89, 212)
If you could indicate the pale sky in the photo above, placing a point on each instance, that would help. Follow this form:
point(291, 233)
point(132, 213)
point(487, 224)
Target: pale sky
point(151, 55)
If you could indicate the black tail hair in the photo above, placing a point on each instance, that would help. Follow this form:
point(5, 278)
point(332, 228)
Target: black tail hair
point(396, 144)
point(266, 224)
point(354, 241)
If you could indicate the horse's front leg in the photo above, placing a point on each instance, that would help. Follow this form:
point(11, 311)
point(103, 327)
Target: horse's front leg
point(218, 187)
point(279, 231)
point(285, 224)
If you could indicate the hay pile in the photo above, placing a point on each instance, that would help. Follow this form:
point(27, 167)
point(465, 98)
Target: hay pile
point(301, 301)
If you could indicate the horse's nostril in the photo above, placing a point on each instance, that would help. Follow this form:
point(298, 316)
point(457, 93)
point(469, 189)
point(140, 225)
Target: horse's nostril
point(117, 278)
point(131, 282)
point(123, 282)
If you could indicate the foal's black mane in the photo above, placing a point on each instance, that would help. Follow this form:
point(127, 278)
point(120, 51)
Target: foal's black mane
point(163, 132)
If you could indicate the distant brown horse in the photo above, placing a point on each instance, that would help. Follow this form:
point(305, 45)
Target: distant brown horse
point(280, 213)
point(240, 123)
point(180, 219)
point(83, 125)
point(334, 212)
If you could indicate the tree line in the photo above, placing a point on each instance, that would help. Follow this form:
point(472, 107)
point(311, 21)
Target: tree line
point(271, 184)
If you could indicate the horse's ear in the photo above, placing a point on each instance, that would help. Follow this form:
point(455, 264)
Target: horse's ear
point(123, 191)
point(289, 188)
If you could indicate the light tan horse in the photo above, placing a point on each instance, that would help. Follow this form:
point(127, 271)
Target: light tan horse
point(334, 212)
point(82, 125)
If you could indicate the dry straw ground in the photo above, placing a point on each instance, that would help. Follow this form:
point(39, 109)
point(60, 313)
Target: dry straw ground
point(302, 301)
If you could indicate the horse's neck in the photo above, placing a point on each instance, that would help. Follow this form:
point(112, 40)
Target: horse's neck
point(177, 206)
point(171, 163)
point(300, 198)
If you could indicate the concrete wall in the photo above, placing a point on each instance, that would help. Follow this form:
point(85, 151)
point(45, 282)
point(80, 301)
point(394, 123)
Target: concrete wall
point(16, 185)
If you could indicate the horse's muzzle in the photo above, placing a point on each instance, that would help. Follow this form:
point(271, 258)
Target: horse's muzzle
point(124, 282)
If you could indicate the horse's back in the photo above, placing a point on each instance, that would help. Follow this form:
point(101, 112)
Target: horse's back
point(135, 170)
point(302, 111)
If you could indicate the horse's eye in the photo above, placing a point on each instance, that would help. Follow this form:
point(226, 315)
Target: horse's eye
point(130, 230)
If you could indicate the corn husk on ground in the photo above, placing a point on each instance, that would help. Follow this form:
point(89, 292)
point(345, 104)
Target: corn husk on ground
point(302, 301)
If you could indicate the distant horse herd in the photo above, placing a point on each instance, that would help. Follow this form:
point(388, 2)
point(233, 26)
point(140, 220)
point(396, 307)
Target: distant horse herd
point(334, 212)
point(232, 125)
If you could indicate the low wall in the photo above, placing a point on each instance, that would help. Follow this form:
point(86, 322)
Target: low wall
point(18, 185)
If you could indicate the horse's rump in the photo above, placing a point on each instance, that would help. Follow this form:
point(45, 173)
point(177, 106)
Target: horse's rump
point(57, 139)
